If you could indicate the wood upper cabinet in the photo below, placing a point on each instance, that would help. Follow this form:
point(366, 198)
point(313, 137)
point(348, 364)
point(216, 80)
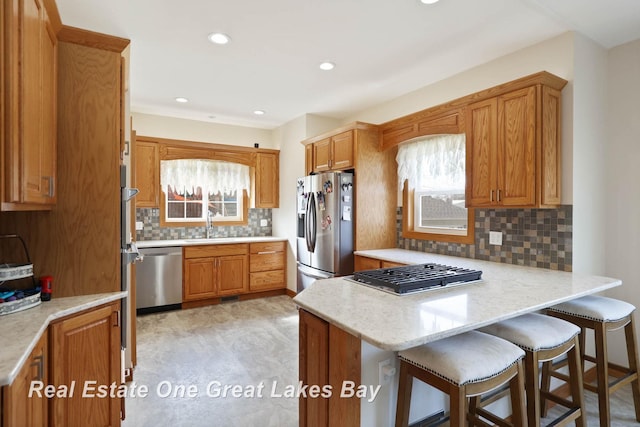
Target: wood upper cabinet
point(267, 180)
point(215, 270)
point(18, 408)
point(513, 149)
point(333, 153)
point(308, 159)
point(147, 170)
point(30, 106)
point(86, 348)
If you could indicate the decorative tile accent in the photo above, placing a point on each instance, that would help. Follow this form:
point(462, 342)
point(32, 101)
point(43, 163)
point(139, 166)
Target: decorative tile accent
point(540, 238)
point(150, 217)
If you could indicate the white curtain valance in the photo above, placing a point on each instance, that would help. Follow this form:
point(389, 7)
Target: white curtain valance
point(211, 175)
point(433, 163)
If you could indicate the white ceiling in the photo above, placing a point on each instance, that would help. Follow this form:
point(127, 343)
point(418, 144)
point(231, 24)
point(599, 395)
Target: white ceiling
point(382, 48)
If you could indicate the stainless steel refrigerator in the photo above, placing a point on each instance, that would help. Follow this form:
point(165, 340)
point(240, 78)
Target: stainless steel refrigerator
point(325, 205)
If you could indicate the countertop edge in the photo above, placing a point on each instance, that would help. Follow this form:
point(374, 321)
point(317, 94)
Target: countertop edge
point(142, 244)
point(86, 302)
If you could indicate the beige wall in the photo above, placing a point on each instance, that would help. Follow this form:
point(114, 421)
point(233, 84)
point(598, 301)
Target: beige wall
point(193, 130)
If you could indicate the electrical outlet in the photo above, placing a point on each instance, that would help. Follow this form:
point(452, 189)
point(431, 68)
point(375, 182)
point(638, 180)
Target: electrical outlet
point(495, 238)
point(264, 223)
point(139, 225)
point(386, 371)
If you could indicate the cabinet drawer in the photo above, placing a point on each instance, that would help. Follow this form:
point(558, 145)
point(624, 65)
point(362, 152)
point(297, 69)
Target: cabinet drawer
point(266, 280)
point(266, 261)
point(256, 248)
point(215, 250)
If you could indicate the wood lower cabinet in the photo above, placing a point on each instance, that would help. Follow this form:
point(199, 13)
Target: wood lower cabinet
point(85, 351)
point(215, 270)
point(362, 263)
point(328, 357)
point(267, 266)
point(18, 408)
point(30, 62)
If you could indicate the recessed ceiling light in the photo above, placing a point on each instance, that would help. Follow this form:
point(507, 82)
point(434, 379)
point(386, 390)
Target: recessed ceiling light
point(326, 66)
point(429, 1)
point(259, 112)
point(181, 99)
point(219, 38)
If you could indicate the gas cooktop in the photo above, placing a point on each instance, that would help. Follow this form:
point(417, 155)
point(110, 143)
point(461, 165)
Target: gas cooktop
point(416, 278)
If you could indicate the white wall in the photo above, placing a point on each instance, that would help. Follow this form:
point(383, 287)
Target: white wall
point(622, 166)
point(589, 143)
point(193, 130)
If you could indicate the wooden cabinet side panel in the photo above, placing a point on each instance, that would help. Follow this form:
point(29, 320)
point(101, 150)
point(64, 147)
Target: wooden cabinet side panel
point(344, 365)
point(233, 275)
point(313, 368)
point(147, 171)
point(550, 170)
point(517, 147)
point(375, 192)
point(85, 348)
point(481, 152)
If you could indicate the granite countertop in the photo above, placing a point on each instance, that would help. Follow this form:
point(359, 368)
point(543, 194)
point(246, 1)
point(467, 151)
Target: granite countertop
point(22, 330)
point(202, 241)
point(395, 323)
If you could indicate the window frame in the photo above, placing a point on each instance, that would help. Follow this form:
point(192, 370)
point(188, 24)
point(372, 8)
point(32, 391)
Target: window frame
point(217, 221)
point(409, 222)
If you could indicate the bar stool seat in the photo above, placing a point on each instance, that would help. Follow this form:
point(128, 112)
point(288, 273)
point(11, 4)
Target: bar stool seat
point(463, 366)
point(545, 338)
point(603, 315)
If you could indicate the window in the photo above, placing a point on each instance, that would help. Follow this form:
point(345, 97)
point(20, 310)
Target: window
point(432, 170)
point(191, 187)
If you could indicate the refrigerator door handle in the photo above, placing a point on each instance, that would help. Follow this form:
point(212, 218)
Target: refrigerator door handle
point(313, 223)
point(307, 229)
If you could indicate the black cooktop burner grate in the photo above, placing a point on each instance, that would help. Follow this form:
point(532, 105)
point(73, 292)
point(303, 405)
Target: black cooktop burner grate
point(414, 278)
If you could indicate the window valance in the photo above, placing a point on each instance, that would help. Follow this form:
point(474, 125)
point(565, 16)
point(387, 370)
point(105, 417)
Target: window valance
point(433, 163)
point(214, 175)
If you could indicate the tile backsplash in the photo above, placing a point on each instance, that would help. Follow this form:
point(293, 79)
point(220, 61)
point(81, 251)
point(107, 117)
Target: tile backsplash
point(150, 218)
point(533, 237)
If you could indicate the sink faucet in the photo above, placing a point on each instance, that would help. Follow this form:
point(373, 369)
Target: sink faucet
point(209, 224)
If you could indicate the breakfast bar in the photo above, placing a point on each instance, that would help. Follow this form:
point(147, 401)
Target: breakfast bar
point(349, 331)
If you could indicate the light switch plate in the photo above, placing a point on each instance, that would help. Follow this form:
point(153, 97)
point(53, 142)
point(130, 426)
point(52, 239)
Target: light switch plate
point(139, 225)
point(264, 223)
point(495, 238)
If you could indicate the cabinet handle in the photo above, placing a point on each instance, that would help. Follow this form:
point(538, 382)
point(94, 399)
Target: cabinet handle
point(38, 361)
point(491, 196)
point(51, 186)
point(266, 252)
point(329, 162)
point(498, 195)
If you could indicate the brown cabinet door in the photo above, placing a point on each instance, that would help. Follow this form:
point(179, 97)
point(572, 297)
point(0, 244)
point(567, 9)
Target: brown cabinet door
point(362, 263)
point(267, 180)
point(517, 148)
point(481, 153)
point(18, 408)
point(199, 278)
point(147, 170)
point(342, 151)
point(86, 348)
point(48, 178)
point(233, 275)
point(322, 155)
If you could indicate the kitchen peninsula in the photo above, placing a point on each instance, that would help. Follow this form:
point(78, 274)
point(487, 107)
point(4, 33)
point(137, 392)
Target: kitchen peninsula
point(348, 329)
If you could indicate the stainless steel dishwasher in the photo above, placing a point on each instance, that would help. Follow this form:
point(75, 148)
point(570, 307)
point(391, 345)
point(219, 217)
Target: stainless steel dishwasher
point(159, 279)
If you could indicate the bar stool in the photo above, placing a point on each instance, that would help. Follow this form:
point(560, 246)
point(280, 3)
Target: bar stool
point(545, 338)
point(602, 315)
point(463, 366)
